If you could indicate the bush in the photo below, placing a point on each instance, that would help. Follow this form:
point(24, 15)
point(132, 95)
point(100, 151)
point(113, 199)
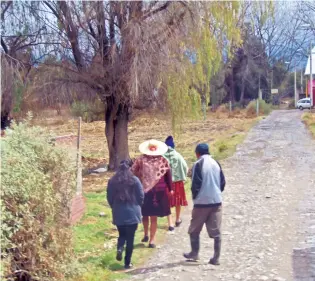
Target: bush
point(264, 108)
point(37, 187)
point(89, 111)
point(292, 104)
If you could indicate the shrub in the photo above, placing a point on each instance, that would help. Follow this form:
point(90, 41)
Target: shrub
point(291, 104)
point(89, 111)
point(37, 187)
point(264, 108)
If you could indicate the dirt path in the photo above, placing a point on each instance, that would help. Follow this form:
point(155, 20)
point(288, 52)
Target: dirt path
point(269, 212)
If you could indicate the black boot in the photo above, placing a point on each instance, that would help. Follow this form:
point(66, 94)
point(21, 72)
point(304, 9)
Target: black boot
point(195, 245)
point(217, 250)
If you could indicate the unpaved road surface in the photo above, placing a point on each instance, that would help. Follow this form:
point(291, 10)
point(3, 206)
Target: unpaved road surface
point(269, 212)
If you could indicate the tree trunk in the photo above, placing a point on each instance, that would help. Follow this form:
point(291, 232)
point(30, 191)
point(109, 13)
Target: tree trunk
point(232, 86)
point(116, 132)
point(242, 90)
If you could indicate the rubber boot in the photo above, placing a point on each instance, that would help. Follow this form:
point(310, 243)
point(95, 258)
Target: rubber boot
point(217, 251)
point(195, 245)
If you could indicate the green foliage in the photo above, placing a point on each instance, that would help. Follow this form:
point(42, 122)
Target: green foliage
point(18, 95)
point(37, 187)
point(188, 86)
point(89, 111)
point(264, 108)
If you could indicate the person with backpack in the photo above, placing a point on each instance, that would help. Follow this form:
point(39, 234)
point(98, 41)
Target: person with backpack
point(125, 196)
point(208, 183)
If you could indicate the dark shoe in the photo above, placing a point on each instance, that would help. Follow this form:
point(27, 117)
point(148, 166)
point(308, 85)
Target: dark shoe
point(152, 246)
point(214, 262)
point(171, 228)
point(217, 251)
point(191, 256)
point(129, 266)
point(119, 255)
point(195, 245)
point(178, 223)
point(145, 239)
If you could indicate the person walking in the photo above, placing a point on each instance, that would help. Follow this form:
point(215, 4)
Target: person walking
point(208, 183)
point(179, 174)
point(155, 175)
point(125, 196)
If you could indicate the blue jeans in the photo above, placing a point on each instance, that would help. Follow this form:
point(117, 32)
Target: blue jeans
point(126, 235)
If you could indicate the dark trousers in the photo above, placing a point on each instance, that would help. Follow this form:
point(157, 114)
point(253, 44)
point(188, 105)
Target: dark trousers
point(126, 235)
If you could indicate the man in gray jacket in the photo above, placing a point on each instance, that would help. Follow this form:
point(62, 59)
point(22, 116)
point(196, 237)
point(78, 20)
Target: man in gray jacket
point(208, 183)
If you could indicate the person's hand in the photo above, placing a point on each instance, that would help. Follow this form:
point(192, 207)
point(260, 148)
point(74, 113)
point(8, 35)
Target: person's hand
point(172, 192)
point(189, 174)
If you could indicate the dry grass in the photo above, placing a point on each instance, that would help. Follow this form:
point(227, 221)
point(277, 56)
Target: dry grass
point(309, 120)
point(218, 126)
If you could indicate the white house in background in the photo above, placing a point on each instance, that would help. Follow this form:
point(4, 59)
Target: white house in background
point(311, 92)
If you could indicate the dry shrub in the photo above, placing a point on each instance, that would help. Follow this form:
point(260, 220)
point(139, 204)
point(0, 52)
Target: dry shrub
point(222, 109)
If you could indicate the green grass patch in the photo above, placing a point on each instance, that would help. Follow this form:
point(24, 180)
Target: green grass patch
point(95, 242)
point(309, 120)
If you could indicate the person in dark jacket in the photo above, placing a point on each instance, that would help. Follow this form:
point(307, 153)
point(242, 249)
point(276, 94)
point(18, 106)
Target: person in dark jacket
point(125, 196)
point(208, 183)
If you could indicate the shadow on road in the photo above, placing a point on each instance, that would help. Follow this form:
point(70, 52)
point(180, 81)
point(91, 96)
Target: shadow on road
point(162, 266)
point(304, 264)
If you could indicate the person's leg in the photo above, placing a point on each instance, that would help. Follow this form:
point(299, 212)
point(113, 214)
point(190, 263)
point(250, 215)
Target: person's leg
point(121, 241)
point(145, 221)
point(131, 230)
point(178, 220)
point(196, 224)
point(170, 223)
point(153, 228)
point(214, 231)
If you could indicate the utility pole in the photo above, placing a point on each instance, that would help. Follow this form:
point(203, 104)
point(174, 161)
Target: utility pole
point(259, 91)
point(295, 92)
point(302, 82)
point(311, 77)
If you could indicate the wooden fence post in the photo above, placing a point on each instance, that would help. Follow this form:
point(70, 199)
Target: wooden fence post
point(79, 164)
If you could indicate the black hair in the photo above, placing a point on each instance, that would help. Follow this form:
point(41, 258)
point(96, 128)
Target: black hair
point(124, 183)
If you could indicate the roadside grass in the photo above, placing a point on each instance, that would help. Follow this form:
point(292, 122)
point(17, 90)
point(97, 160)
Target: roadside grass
point(95, 236)
point(95, 241)
point(309, 120)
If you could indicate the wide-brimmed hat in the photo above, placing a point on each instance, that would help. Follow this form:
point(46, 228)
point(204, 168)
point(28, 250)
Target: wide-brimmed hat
point(153, 148)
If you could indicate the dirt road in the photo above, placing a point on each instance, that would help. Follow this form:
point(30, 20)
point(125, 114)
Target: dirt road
point(269, 212)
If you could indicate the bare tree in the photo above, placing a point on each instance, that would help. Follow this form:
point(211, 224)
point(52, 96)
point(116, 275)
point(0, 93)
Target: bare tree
point(282, 33)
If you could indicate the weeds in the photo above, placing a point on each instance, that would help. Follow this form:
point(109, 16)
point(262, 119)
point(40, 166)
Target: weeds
point(309, 121)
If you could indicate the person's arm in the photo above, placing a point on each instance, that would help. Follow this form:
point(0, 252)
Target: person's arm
point(222, 178)
point(168, 180)
point(135, 167)
point(110, 194)
point(196, 179)
point(139, 192)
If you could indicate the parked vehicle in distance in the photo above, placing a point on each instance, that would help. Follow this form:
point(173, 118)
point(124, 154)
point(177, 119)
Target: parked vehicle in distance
point(304, 103)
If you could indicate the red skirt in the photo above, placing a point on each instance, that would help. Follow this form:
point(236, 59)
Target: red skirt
point(179, 196)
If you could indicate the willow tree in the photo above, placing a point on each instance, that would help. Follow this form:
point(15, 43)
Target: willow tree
point(209, 42)
point(127, 52)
